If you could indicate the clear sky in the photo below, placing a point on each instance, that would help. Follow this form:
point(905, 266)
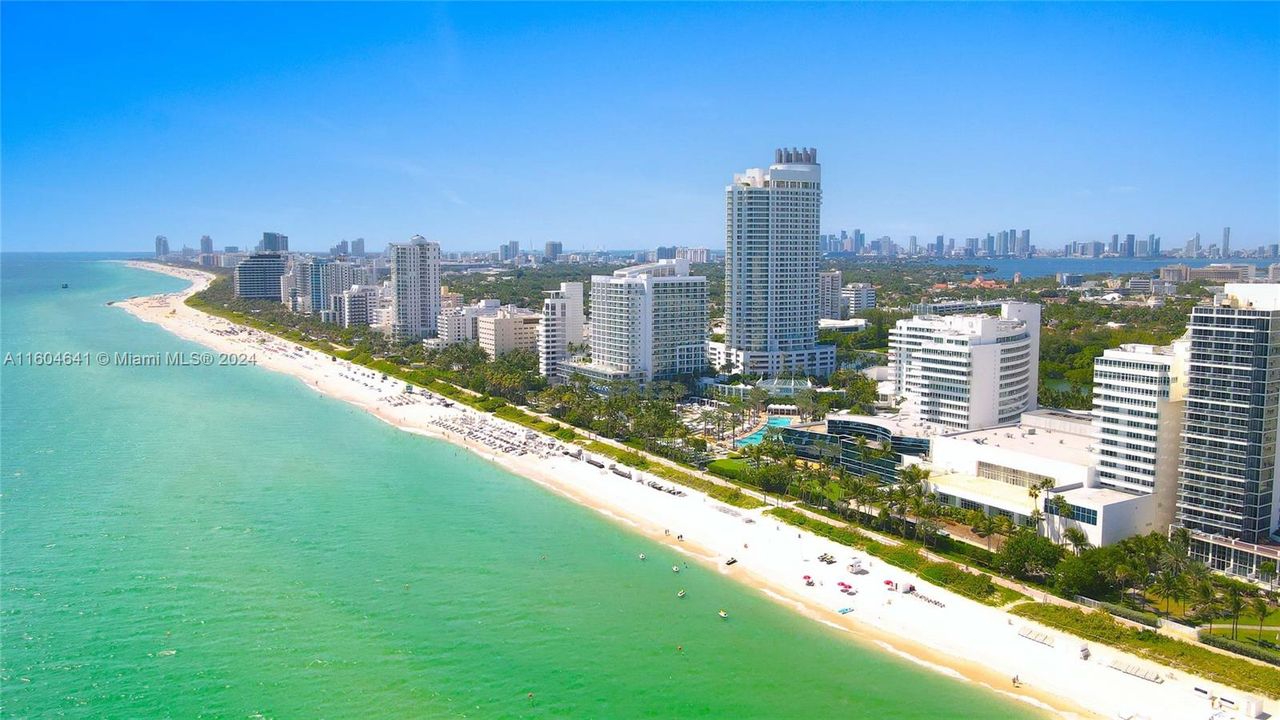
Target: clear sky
point(617, 126)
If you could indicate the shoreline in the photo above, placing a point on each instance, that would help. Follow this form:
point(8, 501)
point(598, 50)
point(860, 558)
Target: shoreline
point(960, 638)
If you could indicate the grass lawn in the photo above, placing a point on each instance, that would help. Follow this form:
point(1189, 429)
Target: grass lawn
point(1247, 633)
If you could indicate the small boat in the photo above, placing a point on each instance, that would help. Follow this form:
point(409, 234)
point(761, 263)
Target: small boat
point(675, 568)
point(845, 611)
point(731, 561)
point(723, 614)
point(65, 286)
point(642, 556)
point(680, 594)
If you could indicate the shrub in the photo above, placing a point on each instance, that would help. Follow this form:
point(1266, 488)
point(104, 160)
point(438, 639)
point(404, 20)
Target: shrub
point(1144, 618)
point(1240, 648)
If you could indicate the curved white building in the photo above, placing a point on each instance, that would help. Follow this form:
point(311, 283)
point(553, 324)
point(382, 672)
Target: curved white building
point(967, 372)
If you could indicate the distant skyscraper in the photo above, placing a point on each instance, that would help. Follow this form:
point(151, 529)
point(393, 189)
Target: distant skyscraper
point(830, 304)
point(1226, 242)
point(162, 246)
point(665, 253)
point(415, 288)
point(206, 245)
point(553, 250)
point(357, 247)
point(771, 267)
point(509, 251)
point(275, 242)
point(939, 246)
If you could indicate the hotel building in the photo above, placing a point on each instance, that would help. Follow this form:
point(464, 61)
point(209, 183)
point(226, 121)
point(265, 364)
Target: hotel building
point(1138, 399)
point(967, 372)
point(258, 276)
point(648, 322)
point(830, 302)
point(771, 268)
point(510, 328)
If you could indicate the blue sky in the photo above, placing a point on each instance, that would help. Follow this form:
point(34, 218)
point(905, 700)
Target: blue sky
point(617, 126)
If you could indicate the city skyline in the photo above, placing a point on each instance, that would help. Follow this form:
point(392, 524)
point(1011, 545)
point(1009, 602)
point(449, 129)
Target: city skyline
point(478, 120)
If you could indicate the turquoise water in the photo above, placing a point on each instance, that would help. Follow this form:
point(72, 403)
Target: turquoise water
point(224, 542)
point(757, 437)
point(1047, 266)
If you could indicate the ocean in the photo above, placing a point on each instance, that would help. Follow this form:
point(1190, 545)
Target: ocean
point(224, 542)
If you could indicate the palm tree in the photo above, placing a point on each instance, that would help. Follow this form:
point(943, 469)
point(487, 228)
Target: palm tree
point(1259, 607)
point(1235, 605)
point(1206, 600)
point(1077, 538)
point(1267, 569)
point(1169, 584)
point(983, 525)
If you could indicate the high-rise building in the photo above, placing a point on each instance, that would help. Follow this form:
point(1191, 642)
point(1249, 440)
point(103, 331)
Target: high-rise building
point(162, 246)
point(694, 255)
point(509, 251)
point(357, 247)
point(206, 245)
point(771, 267)
point(553, 250)
point(258, 276)
point(665, 253)
point(1226, 242)
point(510, 328)
point(1138, 399)
point(342, 248)
point(939, 247)
point(415, 288)
point(354, 306)
point(274, 242)
point(1227, 491)
point(830, 303)
point(858, 297)
point(648, 322)
point(562, 321)
point(967, 372)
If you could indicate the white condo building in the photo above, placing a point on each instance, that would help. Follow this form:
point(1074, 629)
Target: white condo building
point(858, 297)
point(415, 288)
point(355, 306)
point(562, 326)
point(830, 302)
point(967, 372)
point(648, 322)
point(461, 323)
point(1138, 393)
point(771, 268)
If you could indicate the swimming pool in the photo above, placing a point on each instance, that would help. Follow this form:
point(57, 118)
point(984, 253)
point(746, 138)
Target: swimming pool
point(757, 437)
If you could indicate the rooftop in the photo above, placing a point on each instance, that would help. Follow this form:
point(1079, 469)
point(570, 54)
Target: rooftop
point(900, 425)
point(1049, 443)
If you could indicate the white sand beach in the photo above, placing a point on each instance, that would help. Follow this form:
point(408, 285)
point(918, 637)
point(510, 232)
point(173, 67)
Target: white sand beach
point(934, 627)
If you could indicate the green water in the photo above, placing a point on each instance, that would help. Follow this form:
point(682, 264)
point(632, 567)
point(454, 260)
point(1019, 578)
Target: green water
point(223, 542)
